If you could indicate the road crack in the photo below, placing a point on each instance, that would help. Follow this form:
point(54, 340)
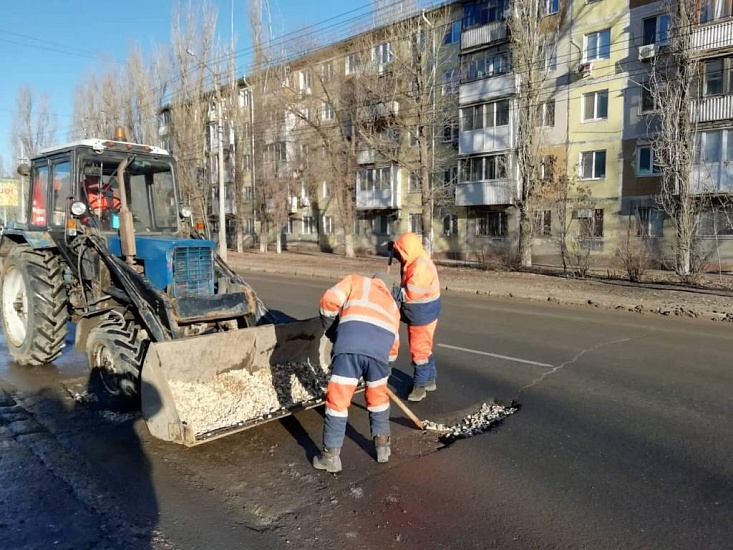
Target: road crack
point(580, 354)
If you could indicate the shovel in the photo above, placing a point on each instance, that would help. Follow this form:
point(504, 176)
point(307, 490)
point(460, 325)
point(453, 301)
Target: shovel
point(405, 409)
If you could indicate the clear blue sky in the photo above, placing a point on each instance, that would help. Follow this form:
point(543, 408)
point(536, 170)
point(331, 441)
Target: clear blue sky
point(49, 44)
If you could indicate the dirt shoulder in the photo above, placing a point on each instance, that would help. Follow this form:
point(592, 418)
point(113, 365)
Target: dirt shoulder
point(713, 301)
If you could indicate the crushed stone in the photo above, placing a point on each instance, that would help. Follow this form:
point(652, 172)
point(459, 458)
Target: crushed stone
point(472, 424)
point(236, 397)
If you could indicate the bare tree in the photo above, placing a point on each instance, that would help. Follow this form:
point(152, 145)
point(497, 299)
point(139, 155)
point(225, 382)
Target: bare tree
point(405, 111)
point(673, 86)
point(34, 126)
point(531, 38)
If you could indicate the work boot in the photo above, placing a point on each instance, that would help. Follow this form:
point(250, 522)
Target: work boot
point(418, 393)
point(431, 386)
point(328, 460)
point(381, 444)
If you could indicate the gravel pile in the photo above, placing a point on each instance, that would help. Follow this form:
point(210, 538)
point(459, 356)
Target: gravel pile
point(236, 397)
point(472, 424)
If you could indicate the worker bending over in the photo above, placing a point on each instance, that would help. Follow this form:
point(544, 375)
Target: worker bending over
point(420, 309)
point(362, 320)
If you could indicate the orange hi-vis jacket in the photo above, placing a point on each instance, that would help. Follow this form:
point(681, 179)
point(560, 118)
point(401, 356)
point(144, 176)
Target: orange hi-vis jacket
point(420, 283)
point(368, 318)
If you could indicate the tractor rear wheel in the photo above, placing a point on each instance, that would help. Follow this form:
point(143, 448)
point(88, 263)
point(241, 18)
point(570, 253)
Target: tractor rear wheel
point(34, 305)
point(116, 350)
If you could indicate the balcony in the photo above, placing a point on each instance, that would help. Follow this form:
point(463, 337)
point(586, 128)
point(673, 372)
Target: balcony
point(712, 178)
point(485, 140)
point(713, 108)
point(230, 207)
point(485, 34)
point(486, 88)
point(485, 193)
point(377, 199)
point(379, 110)
point(378, 188)
point(366, 156)
point(713, 36)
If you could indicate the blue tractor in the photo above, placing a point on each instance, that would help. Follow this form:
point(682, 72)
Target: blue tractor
point(108, 247)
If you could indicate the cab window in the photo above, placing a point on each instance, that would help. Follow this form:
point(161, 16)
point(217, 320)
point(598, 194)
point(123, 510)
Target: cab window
point(61, 192)
point(39, 194)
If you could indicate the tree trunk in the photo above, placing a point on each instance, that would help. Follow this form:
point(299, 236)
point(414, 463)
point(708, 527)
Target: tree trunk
point(349, 245)
point(240, 236)
point(525, 237)
point(279, 242)
point(684, 249)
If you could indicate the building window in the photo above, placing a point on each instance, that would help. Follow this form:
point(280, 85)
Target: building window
point(482, 12)
point(472, 118)
point(718, 76)
point(247, 193)
point(451, 81)
point(590, 222)
point(351, 63)
point(415, 223)
point(593, 165)
point(327, 71)
point(645, 165)
point(550, 57)
point(543, 223)
point(381, 225)
point(595, 106)
point(648, 103)
point(375, 179)
point(413, 183)
point(328, 225)
point(450, 225)
point(547, 113)
point(450, 177)
point(485, 64)
point(304, 83)
point(243, 98)
point(717, 222)
point(382, 56)
point(483, 168)
point(248, 226)
point(715, 9)
point(547, 168)
point(450, 133)
point(649, 222)
point(488, 115)
point(597, 45)
point(656, 30)
point(453, 33)
point(326, 111)
point(491, 224)
point(290, 226)
point(309, 225)
point(552, 6)
point(414, 135)
point(326, 191)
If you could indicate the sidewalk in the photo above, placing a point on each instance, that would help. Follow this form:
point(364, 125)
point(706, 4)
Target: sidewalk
point(658, 298)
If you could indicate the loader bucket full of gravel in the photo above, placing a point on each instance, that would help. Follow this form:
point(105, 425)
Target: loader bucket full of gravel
point(199, 389)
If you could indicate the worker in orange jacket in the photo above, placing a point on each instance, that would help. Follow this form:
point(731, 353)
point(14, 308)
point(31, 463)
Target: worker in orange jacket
point(420, 309)
point(100, 198)
point(362, 320)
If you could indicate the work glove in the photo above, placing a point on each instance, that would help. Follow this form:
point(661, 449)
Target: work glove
point(331, 329)
point(397, 294)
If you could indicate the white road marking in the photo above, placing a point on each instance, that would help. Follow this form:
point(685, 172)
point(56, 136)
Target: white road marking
point(515, 359)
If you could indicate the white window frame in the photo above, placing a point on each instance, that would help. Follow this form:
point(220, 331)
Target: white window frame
point(413, 183)
point(544, 110)
point(414, 134)
point(454, 131)
point(646, 226)
point(351, 64)
point(552, 7)
point(243, 98)
point(593, 176)
point(654, 169)
point(659, 30)
point(543, 223)
point(290, 226)
point(415, 223)
point(452, 230)
point(379, 228)
point(327, 71)
point(248, 226)
point(310, 227)
point(596, 95)
point(484, 217)
point(326, 190)
point(247, 193)
point(550, 58)
point(327, 224)
point(382, 56)
point(597, 55)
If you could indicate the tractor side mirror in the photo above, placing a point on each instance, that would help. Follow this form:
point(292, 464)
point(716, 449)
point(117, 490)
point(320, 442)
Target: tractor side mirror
point(24, 170)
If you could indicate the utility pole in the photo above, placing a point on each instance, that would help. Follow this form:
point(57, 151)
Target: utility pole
point(220, 133)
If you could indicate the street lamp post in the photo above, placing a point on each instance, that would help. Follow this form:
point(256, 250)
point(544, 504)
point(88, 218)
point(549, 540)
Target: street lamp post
point(220, 133)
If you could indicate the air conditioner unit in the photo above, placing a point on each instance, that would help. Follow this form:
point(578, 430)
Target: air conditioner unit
point(585, 69)
point(647, 52)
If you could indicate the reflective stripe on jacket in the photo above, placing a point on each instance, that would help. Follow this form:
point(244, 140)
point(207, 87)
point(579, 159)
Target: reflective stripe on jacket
point(368, 318)
point(420, 283)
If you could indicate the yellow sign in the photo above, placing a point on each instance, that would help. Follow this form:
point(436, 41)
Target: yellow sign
point(8, 192)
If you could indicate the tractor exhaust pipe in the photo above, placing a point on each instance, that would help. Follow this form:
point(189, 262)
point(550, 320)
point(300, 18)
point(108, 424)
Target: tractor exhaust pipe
point(127, 229)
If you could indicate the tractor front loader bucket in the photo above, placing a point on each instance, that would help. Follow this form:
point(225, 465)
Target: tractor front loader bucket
point(201, 388)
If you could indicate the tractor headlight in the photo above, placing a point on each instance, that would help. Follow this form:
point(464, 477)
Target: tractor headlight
point(78, 208)
point(185, 212)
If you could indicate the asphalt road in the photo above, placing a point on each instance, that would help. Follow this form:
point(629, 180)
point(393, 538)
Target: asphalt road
point(622, 441)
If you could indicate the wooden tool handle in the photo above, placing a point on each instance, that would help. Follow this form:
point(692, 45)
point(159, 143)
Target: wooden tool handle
point(405, 409)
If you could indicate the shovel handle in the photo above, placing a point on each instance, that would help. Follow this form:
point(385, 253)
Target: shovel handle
point(405, 409)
